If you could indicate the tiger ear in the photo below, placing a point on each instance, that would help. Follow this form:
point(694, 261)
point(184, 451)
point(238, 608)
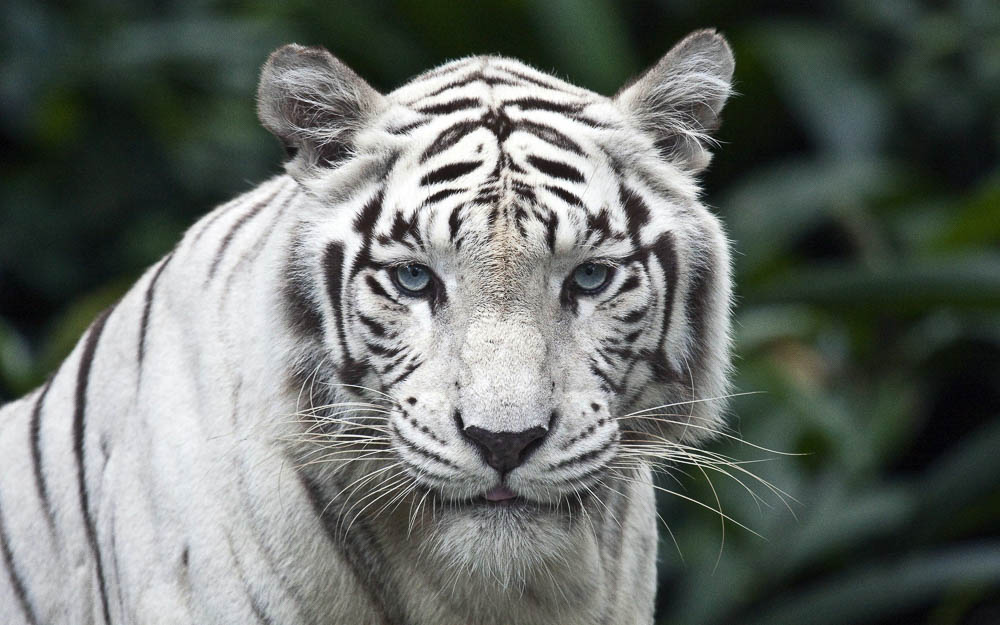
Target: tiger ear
point(678, 100)
point(314, 104)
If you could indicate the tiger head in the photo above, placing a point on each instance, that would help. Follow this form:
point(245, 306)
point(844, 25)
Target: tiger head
point(519, 267)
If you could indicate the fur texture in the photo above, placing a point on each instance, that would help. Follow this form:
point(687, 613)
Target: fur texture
point(270, 428)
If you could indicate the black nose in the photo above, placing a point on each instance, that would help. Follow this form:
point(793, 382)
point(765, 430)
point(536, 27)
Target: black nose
point(505, 451)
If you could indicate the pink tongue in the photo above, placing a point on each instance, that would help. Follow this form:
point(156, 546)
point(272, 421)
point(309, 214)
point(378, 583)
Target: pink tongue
point(500, 493)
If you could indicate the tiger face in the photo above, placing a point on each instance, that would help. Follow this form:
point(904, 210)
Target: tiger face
point(518, 267)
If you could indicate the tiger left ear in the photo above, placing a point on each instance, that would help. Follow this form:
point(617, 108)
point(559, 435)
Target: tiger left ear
point(314, 104)
point(678, 100)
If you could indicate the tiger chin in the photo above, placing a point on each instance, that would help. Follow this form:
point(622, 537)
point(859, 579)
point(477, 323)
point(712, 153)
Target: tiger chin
point(420, 378)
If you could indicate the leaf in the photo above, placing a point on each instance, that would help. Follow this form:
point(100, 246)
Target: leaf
point(773, 205)
point(868, 592)
point(969, 282)
point(819, 70)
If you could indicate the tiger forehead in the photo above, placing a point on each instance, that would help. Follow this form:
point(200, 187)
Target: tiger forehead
point(499, 210)
point(500, 159)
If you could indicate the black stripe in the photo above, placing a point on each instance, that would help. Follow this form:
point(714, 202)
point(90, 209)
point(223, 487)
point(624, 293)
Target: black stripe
point(628, 284)
point(488, 197)
point(564, 195)
point(449, 172)
point(79, 432)
point(535, 81)
point(466, 80)
point(301, 311)
point(448, 138)
point(409, 370)
point(493, 81)
point(407, 128)
point(458, 104)
point(624, 353)
point(460, 82)
point(636, 213)
point(374, 327)
point(604, 377)
point(523, 191)
point(454, 222)
point(440, 195)
point(365, 224)
point(698, 300)
point(333, 268)
point(36, 454)
point(586, 456)
point(392, 364)
point(219, 212)
point(253, 251)
point(17, 584)
point(541, 104)
point(376, 288)
point(403, 228)
point(366, 220)
point(556, 169)
point(634, 316)
point(632, 336)
point(115, 564)
point(422, 451)
point(381, 350)
point(600, 225)
point(239, 223)
point(351, 371)
point(551, 226)
point(666, 256)
point(147, 307)
point(255, 605)
point(360, 551)
point(549, 135)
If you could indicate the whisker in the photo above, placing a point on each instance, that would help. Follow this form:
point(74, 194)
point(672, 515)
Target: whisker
point(383, 491)
point(365, 388)
point(662, 448)
point(713, 431)
point(694, 401)
point(715, 462)
point(699, 503)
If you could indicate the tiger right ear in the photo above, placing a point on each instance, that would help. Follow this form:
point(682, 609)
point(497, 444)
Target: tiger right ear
point(314, 103)
point(678, 100)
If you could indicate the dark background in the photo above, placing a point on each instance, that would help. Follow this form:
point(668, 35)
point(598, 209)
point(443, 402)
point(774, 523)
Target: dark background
point(858, 178)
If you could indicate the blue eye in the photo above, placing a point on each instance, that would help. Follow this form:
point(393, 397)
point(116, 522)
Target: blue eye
point(412, 279)
point(591, 277)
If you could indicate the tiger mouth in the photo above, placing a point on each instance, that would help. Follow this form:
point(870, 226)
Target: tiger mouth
point(512, 502)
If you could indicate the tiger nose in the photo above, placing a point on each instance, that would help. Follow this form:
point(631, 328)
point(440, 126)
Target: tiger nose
point(505, 451)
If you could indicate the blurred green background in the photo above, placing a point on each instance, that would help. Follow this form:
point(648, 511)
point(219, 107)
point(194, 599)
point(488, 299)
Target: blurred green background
point(859, 180)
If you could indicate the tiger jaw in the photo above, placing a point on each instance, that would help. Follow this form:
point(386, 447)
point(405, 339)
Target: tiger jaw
point(507, 541)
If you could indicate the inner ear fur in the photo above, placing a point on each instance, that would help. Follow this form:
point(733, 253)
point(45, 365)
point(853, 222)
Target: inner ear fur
point(678, 101)
point(314, 104)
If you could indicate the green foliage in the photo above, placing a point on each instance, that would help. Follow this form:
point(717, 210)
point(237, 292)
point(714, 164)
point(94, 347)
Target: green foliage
point(859, 180)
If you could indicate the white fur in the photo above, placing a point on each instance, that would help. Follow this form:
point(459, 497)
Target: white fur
point(195, 462)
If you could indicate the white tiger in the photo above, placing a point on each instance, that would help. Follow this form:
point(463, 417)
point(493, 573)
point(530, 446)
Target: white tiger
point(398, 384)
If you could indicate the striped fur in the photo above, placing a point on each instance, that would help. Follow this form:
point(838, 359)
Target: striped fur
point(268, 429)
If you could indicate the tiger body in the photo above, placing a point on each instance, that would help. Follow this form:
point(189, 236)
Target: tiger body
point(269, 428)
